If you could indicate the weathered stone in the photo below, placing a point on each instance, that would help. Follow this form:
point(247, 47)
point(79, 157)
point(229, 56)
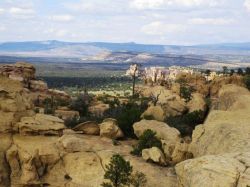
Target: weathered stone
point(154, 154)
point(41, 124)
point(221, 170)
point(197, 103)
point(156, 112)
point(109, 129)
point(89, 127)
point(163, 131)
point(67, 114)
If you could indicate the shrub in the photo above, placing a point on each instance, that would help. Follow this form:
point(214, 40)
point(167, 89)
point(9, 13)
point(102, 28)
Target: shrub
point(127, 114)
point(72, 122)
point(138, 179)
point(186, 92)
point(247, 81)
point(80, 105)
point(147, 140)
point(118, 171)
point(187, 122)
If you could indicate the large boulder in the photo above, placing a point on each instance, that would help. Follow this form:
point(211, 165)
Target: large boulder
point(163, 131)
point(221, 170)
point(175, 149)
point(232, 97)
point(110, 129)
point(197, 103)
point(89, 127)
point(155, 112)
point(219, 82)
point(154, 154)
point(171, 103)
point(225, 131)
point(30, 158)
point(41, 124)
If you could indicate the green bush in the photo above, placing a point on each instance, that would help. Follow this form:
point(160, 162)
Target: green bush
point(127, 114)
point(118, 171)
point(147, 140)
point(186, 92)
point(247, 81)
point(187, 122)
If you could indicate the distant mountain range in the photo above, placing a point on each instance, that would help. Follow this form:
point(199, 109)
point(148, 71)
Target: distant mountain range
point(53, 48)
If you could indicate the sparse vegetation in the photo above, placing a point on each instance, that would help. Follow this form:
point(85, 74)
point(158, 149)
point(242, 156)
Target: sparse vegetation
point(187, 122)
point(147, 140)
point(118, 172)
point(186, 92)
point(127, 114)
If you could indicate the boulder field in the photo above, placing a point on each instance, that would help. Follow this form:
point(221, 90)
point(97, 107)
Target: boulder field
point(38, 150)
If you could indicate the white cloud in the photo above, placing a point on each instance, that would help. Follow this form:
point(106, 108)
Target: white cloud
point(162, 4)
point(159, 28)
point(22, 13)
point(2, 28)
point(62, 18)
point(247, 5)
point(1, 11)
point(210, 21)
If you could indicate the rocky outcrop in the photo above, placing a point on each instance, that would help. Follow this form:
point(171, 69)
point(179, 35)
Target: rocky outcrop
point(174, 147)
point(66, 114)
point(225, 130)
point(14, 104)
point(155, 112)
point(163, 131)
point(41, 124)
point(110, 129)
point(197, 103)
point(219, 82)
point(231, 98)
point(73, 160)
point(89, 127)
point(171, 103)
point(221, 145)
point(155, 155)
point(221, 170)
point(21, 71)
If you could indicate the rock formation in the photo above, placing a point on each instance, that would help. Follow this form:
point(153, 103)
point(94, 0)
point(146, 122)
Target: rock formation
point(37, 149)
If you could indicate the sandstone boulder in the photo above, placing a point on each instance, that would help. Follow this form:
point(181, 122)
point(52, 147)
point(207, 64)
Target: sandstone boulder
point(66, 114)
point(109, 129)
point(41, 124)
point(163, 131)
point(232, 97)
point(171, 103)
point(197, 103)
point(154, 154)
point(156, 112)
point(219, 82)
point(211, 170)
point(225, 131)
point(89, 127)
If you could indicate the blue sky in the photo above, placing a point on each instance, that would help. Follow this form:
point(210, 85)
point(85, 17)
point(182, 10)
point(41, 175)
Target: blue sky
point(183, 22)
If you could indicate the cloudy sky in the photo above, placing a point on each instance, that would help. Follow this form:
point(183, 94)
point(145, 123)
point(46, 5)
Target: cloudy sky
point(142, 21)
